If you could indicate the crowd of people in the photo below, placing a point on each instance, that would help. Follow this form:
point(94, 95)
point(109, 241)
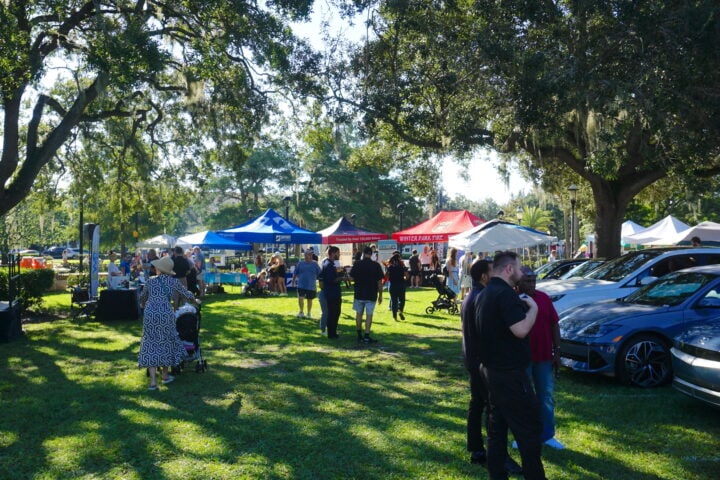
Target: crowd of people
point(510, 333)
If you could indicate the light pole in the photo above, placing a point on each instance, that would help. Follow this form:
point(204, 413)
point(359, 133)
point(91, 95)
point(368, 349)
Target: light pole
point(519, 214)
point(401, 210)
point(573, 199)
point(287, 201)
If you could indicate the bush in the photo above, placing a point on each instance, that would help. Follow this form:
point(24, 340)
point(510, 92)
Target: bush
point(33, 284)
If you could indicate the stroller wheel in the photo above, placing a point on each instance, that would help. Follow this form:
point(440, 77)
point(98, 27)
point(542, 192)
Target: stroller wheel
point(454, 309)
point(430, 310)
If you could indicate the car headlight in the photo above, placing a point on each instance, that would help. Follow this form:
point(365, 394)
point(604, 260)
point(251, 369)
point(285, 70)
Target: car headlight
point(598, 330)
point(557, 297)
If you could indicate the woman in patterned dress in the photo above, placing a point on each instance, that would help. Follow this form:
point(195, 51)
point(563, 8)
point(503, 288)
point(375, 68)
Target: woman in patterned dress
point(160, 345)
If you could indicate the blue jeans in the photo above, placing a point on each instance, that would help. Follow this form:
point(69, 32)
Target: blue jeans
point(541, 374)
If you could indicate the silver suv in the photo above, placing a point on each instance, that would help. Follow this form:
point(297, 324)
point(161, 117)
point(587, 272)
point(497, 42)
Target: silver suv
point(623, 275)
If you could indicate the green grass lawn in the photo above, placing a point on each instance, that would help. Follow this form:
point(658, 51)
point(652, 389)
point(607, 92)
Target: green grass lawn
point(280, 401)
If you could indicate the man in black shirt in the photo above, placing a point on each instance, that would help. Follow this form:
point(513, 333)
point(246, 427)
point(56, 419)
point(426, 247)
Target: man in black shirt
point(368, 276)
point(503, 322)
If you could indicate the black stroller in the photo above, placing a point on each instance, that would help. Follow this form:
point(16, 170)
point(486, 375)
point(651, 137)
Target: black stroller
point(445, 299)
point(187, 322)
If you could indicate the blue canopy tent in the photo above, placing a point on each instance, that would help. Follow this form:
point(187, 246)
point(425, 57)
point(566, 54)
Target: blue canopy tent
point(270, 227)
point(211, 240)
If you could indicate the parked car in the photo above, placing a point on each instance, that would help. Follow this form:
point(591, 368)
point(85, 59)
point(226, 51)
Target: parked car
point(29, 253)
point(552, 270)
point(696, 362)
point(54, 252)
point(623, 275)
point(631, 337)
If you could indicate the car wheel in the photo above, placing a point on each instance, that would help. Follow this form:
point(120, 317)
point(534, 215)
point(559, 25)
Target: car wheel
point(644, 361)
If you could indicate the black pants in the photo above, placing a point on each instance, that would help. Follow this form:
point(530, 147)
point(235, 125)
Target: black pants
point(513, 403)
point(397, 299)
point(333, 315)
point(478, 399)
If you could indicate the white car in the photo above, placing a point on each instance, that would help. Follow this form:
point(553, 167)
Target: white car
point(623, 275)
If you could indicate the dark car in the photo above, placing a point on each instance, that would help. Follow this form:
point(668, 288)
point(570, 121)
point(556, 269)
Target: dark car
point(631, 337)
point(696, 362)
point(554, 270)
point(54, 252)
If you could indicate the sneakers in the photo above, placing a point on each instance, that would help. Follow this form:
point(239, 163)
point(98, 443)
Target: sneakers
point(402, 317)
point(367, 339)
point(300, 315)
point(553, 443)
point(152, 388)
point(167, 380)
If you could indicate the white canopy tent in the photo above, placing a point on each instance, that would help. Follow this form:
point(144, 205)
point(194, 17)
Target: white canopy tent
point(630, 228)
point(708, 232)
point(161, 241)
point(498, 235)
point(658, 233)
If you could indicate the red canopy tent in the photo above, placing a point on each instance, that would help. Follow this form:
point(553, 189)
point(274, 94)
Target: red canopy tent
point(343, 231)
point(439, 228)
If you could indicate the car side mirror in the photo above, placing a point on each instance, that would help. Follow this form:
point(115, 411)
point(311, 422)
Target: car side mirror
point(710, 302)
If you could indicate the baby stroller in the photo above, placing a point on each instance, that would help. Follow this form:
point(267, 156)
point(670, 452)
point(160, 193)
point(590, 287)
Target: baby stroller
point(445, 299)
point(187, 322)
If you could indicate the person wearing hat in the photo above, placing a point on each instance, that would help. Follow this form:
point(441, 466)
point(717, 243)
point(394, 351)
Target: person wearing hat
point(544, 354)
point(113, 270)
point(160, 346)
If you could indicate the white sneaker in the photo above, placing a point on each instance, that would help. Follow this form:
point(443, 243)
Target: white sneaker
point(308, 316)
point(300, 315)
point(514, 445)
point(553, 443)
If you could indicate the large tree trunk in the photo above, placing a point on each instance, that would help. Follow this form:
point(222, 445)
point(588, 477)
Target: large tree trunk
point(611, 200)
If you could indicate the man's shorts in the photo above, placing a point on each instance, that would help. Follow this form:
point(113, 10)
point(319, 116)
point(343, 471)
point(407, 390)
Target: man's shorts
point(309, 294)
point(414, 273)
point(368, 306)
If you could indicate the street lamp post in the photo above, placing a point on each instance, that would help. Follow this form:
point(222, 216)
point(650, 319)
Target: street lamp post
point(573, 200)
point(287, 201)
point(519, 214)
point(401, 210)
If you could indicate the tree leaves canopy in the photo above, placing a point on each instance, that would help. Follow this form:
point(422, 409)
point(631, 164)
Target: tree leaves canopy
point(622, 93)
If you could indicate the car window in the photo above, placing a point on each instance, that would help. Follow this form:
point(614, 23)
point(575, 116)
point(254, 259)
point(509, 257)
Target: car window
point(618, 268)
point(672, 289)
point(711, 299)
point(582, 269)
